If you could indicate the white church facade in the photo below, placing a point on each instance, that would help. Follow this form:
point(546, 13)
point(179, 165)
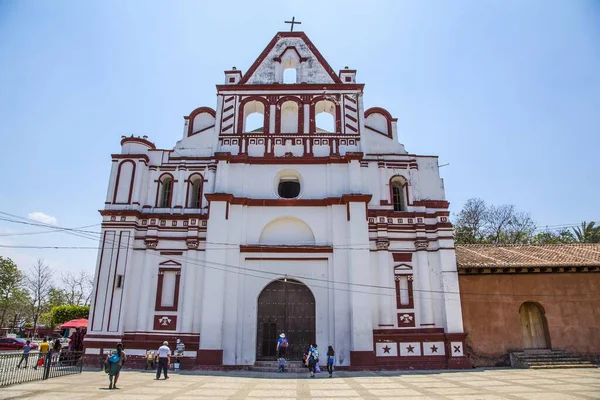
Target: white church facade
point(287, 208)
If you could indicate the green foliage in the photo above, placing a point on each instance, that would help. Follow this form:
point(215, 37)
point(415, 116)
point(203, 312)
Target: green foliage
point(57, 297)
point(478, 222)
point(62, 314)
point(13, 296)
point(587, 233)
point(550, 237)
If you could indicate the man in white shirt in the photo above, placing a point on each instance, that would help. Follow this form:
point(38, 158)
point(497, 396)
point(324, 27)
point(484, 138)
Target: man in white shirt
point(164, 359)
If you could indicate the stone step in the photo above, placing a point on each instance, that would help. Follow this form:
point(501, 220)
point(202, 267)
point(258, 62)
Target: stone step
point(550, 366)
point(276, 370)
point(549, 359)
point(276, 363)
point(557, 362)
point(546, 359)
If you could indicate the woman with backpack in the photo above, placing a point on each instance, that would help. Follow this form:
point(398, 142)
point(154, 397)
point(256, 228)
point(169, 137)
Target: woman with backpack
point(312, 359)
point(113, 365)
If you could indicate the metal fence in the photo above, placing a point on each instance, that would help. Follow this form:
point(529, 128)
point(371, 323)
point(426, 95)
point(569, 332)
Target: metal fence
point(18, 368)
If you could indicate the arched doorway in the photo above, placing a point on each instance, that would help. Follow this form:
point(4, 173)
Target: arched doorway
point(288, 306)
point(534, 328)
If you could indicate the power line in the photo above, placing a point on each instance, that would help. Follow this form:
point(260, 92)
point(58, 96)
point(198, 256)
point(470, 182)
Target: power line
point(205, 264)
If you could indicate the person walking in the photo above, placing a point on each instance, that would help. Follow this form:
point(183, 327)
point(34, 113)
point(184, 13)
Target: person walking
point(164, 359)
point(330, 360)
point(44, 349)
point(282, 345)
point(25, 356)
point(312, 359)
point(55, 352)
point(115, 363)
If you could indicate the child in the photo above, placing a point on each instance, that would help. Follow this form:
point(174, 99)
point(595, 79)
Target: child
point(149, 360)
point(330, 360)
point(281, 364)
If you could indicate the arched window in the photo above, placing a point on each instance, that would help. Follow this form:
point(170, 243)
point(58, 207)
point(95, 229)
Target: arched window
point(325, 116)
point(290, 75)
point(166, 192)
point(195, 192)
point(325, 122)
point(254, 117)
point(398, 188)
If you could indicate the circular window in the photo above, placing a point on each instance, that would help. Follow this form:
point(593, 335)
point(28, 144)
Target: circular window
point(288, 184)
point(288, 188)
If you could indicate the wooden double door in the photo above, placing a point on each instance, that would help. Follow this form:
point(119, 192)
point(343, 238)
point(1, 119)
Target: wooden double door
point(285, 306)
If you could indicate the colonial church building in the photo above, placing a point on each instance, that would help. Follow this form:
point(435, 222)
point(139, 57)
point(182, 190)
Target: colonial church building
point(286, 208)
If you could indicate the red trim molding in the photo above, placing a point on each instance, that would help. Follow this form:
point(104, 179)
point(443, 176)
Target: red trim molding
point(386, 115)
point(158, 304)
point(431, 203)
point(139, 140)
point(130, 184)
point(344, 199)
point(284, 249)
point(193, 114)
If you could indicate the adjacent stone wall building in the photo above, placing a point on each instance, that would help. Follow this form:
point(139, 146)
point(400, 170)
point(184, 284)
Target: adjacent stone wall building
point(529, 297)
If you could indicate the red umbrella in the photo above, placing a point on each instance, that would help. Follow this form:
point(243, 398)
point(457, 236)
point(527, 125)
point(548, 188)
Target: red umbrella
point(75, 323)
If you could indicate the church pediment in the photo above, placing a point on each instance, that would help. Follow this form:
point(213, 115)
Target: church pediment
point(290, 50)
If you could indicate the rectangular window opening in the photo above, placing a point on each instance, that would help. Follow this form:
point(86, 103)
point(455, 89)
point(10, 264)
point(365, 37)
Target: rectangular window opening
point(119, 281)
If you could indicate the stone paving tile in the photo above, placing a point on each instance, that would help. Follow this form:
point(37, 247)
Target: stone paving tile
point(333, 393)
point(564, 387)
point(593, 395)
point(457, 390)
point(388, 385)
point(273, 393)
point(383, 385)
point(513, 389)
point(546, 396)
point(477, 397)
point(485, 383)
point(404, 393)
point(13, 394)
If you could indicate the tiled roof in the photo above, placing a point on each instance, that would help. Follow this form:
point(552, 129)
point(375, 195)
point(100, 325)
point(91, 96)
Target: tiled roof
point(514, 256)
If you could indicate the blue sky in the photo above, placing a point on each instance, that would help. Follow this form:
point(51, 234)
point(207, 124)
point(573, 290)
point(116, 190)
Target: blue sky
point(506, 92)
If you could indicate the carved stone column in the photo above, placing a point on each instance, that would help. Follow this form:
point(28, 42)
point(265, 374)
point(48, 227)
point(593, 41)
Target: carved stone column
point(423, 285)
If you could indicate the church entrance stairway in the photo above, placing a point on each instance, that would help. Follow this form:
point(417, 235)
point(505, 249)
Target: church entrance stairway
point(548, 359)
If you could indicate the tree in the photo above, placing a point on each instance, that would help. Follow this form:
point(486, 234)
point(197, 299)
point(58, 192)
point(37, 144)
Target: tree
point(11, 282)
point(62, 314)
point(57, 297)
point(39, 284)
point(78, 288)
point(587, 233)
point(553, 237)
point(480, 223)
point(471, 221)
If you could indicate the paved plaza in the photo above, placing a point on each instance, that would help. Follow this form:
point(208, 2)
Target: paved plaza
point(492, 384)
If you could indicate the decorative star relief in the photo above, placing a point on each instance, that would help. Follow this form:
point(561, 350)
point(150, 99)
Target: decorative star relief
point(410, 348)
point(434, 349)
point(387, 349)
